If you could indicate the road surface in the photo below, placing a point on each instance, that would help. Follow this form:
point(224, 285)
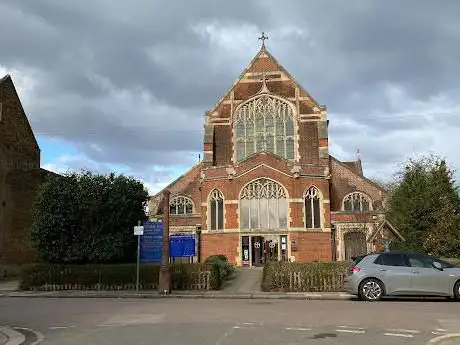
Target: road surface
point(228, 322)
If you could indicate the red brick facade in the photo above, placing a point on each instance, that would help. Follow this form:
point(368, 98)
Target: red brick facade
point(317, 232)
point(20, 175)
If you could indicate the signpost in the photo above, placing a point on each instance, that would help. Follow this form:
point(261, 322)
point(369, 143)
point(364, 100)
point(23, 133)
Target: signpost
point(138, 231)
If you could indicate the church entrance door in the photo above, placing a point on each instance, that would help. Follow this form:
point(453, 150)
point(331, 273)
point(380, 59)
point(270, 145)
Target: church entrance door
point(258, 247)
point(271, 250)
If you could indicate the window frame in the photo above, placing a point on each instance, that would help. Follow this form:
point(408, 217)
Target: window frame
point(253, 191)
point(362, 196)
point(215, 196)
point(319, 196)
point(277, 110)
point(185, 201)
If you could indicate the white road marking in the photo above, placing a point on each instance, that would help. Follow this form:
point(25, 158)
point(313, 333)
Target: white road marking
point(350, 327)
point(403, 330)
point(14, 337)
point(297, 329)
point(61, 327)
point(111, 325)
point(441, 330)
point(350, 331)
point(39, 336)
point(438, 333)
point(399, 335)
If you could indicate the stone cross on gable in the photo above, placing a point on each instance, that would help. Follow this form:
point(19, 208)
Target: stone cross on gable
point(263, 38)
point(264, 79)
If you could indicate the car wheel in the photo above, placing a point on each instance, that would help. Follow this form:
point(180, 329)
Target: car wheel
point(457, 290)
point(371, 290)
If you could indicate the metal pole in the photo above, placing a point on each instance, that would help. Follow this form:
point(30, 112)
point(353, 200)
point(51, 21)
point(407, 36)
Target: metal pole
point(138, 259)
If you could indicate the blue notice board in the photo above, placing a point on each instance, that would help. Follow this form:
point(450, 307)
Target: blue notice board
point(181, 246)
point(152, 242)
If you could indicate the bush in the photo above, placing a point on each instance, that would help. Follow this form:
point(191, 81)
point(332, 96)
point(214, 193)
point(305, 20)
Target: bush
point(226, 270)
point(115, 277)
point(302, 277)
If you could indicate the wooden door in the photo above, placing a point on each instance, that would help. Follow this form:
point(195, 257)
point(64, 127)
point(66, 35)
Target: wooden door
point(355, 244)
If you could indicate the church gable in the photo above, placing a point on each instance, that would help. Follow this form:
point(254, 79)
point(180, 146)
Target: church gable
point(187, 185)
point(278, 80)
point(16, 135)
point(345, 180)
point(266, 78)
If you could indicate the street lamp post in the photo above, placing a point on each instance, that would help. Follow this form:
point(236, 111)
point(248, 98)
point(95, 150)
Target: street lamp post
point(164, 284)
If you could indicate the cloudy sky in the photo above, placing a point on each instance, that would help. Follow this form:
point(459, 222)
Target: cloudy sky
point(124, 85)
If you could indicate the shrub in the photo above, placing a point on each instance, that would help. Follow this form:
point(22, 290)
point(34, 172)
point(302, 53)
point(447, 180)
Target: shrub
point(115, 277)
point(301, 277)
point(226, 269)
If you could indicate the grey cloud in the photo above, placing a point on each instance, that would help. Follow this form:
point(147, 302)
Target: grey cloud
point(345, 57)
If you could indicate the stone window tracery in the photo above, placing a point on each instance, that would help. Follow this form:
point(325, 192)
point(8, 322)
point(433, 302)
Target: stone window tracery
point(312, 208)
point(264, 123)
point(263, 205)
point(181, 205)
point(216, 210)
point(357, 202)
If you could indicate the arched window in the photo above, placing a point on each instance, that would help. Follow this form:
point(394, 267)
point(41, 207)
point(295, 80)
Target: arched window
point(357, 202)
point(264, 123)
point(312, 209)
point(216, 210)
point(263, 205)
point(181, 205)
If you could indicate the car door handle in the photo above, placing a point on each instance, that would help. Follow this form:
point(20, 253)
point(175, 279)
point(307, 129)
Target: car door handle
point(416, 272)
point(382, 269)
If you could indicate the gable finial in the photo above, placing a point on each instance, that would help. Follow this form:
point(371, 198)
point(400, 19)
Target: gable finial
point(263, 38)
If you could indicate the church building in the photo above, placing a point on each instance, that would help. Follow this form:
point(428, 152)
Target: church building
point(267, 187)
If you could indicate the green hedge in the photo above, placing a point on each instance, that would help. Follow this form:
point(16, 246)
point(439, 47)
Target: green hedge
point(226, 269)
point(303, 277)
point(52, 277)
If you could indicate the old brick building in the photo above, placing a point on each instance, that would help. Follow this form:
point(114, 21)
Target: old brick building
point(267, 188)
point(20, 175)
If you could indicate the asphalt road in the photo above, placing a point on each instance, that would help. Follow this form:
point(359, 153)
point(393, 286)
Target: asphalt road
point(230, 322)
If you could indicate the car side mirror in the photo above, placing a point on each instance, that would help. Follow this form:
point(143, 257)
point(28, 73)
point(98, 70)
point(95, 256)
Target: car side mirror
point(438, 266)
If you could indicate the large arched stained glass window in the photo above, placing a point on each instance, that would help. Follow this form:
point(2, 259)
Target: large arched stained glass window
point(264, 123)
point(263, 205)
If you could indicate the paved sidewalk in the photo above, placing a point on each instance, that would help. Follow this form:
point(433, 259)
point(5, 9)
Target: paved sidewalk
point(8, 285)
point(244, 281)
point(180, 294)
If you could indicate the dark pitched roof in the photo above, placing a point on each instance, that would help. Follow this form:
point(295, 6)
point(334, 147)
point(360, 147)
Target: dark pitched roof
point(355, 165)
point(360, 175)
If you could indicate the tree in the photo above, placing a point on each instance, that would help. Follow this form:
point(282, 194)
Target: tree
point(424, 204)
point(87, 218)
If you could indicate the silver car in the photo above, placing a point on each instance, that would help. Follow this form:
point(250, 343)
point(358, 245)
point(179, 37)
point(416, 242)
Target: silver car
point(402, 274)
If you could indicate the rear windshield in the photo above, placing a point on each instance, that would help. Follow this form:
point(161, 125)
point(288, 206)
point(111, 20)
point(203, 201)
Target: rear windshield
point(357, 259)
